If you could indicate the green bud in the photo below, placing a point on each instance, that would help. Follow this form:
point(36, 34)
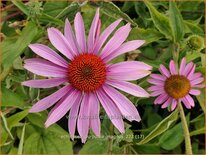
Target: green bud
point(195, 43)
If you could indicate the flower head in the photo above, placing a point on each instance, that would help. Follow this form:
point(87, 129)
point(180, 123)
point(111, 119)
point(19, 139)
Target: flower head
point(173, 87)
point(87, 76)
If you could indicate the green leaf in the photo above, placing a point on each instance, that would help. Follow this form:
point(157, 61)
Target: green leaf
point(12, 52)
point(112, 10)
point(21, 143)
point(161, 21)
point(201, 100)
point(172, 138)
point(161, 127)
point(5, 126)
point(11, 99)
point(14, 119)
point(50, 19)
point(149, 35)
point(198, 132)
point(21, 6)
point(176, 22)
point(95, 146)
point(53, 140)
point(193, 28)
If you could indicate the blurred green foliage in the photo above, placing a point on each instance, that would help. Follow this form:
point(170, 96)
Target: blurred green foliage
point(163, 25)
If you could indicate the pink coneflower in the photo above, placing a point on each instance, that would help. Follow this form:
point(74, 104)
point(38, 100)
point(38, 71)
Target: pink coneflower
point(87, 76)
point(173, 87)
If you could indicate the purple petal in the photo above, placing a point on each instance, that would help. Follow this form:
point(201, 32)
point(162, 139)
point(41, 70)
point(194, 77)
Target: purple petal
point(182, 66)
point(112, 111)
point(46, 83)
point(44, 68)
point(154, 88)
point(127, 75)
point(167, 103)
point(158, 92)
point(197, 81)
point(50, 100)
point(48, 54)
point(160, 99)
point(172, 66)
point(190, 100)
point(156, 82)
point(83, 119)
point(105, 34)
point(195, 92)
point(94, 115)
point(124, 48)
point(174, 104)
point(73, 98)
point(187, 69)
point(158, 77)
point(80, 32)
point(72, 120)
point(164, 71)
point(199, 86)
point(92, 32)
point(191, 73)
point(194, 76)
point(69, 35)
point(128, 87)
point(60, 42)
point(116, 41)
point(186, 103)
point(125, 106)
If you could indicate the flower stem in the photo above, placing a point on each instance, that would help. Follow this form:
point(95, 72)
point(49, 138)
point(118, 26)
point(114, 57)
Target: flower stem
point(188, 146)
point(110, 139)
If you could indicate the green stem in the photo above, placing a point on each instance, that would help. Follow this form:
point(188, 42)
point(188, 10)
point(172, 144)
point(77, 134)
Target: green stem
point(188, 146)
point(110, 139)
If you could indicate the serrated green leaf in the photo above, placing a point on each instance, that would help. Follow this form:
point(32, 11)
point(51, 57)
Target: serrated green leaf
point(95, 146)
point(160, 128)
point(161, 21)
point(176, 22)
point(112, 10)
point(193, 28)
point(149, 35)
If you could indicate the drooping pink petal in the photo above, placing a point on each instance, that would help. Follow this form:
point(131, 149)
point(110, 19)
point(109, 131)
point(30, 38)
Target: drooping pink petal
point(167, 103)
point(92, 32)
point(197, 81)
point(94, 115)
point(187, 69)
point(48, 54)
point(44, 68)
point(195, 76)
point(186, 103)
point(195, 92)
point(174, 104)
point(60, 42)
point(80, 32)
point(158, 92)
point(156, 82)
point(69, 35)
point(105, 34)
point(127, 74)
point(112, 111)
point(158, 77)
point(199, 86)
point(116, 41)
point(83, 119)
point(190, 100)
point(160, 99)
point(73, 97)
point(172, 67)
point(72, 120)
point(50, 100)
point(129, 65)
point(128, 87)
point(164, 70)
point(191, 73)
point(124, 48)
point(182, 66)
point(125, 106)
point(154, 88)
point(46, 83)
